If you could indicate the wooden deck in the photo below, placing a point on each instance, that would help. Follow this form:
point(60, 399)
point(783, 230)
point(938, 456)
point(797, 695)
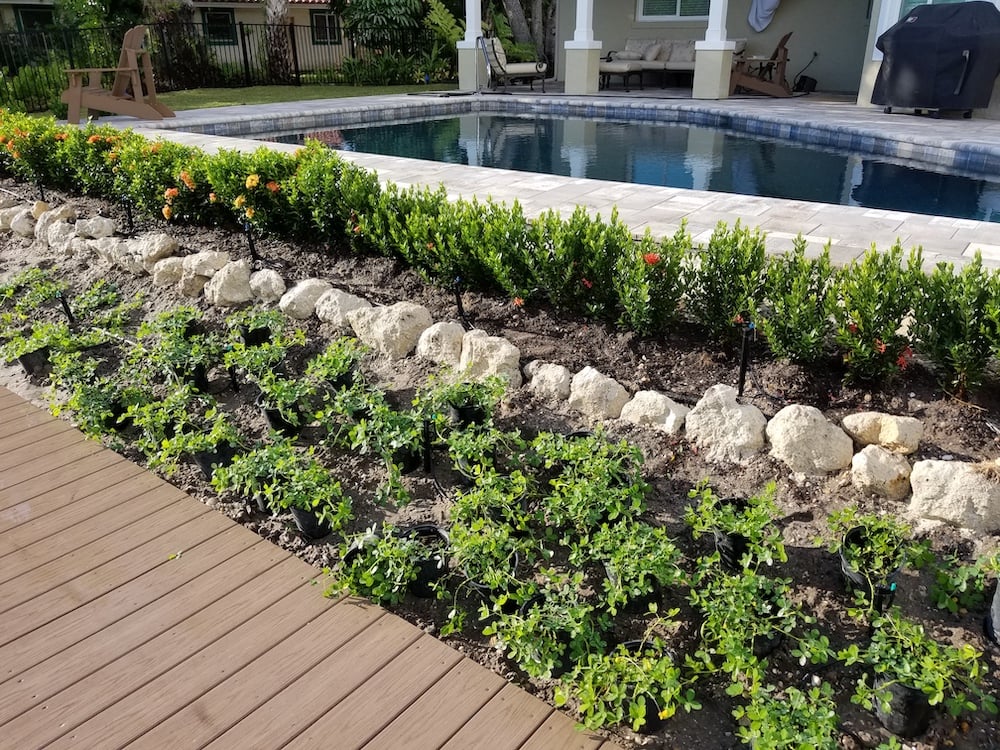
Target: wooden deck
point(132, 615)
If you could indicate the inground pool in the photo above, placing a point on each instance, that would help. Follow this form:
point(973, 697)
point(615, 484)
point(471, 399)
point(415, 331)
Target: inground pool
point(672, 155)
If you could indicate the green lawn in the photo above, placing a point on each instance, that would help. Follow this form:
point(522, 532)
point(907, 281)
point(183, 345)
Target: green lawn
point(202, 98)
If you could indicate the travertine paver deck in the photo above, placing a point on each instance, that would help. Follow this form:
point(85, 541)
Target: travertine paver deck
point(132, 615)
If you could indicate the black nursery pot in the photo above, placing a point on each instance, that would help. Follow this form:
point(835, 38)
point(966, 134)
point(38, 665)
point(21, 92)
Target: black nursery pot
point(277, 422)
point(909, 713)
point(408, 459)
point(255, 336)
point(209, 461)
point(466, 415)
point(435, 565)
point(653, 722)
point(732, 547)
point(35, 363)
point(992, 619)
point(884, 591)
point(310, 526)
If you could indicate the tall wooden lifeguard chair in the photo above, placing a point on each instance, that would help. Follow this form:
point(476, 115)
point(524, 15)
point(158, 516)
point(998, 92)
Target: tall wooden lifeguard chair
point(132, 93)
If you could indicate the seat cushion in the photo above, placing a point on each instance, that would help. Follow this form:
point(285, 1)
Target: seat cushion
point(682, 51)
point(620, 66)
point(525, 68)
point(628, 55)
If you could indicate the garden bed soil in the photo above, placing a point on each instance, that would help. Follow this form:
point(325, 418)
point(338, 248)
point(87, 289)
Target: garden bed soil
point(680, 365)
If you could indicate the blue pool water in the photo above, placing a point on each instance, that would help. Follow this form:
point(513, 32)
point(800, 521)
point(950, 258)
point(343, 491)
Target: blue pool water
point(674, 155)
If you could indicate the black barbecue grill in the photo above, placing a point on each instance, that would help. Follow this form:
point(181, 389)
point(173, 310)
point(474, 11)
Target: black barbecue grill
point(940, 57)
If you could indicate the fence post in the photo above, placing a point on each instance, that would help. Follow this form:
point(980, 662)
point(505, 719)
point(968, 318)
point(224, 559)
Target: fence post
point(246, 55)
point(295, 55)
point(69, 48)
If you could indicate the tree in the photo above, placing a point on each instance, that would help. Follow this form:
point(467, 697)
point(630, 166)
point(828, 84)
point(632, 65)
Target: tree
point(279, 59)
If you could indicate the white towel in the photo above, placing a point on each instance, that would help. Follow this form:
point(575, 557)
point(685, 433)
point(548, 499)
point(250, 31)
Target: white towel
point(761, 13)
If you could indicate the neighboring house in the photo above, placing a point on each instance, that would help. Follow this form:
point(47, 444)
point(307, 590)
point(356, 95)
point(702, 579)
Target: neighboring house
point(842, 35)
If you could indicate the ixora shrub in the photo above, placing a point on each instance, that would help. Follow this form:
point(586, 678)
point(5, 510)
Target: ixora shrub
point(954, 326)
point(648, 282)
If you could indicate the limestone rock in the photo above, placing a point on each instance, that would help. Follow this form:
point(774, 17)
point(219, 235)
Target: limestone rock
point(168, 271)
point(957, 493)
point(549, 381)
point(723, 428)
point(597, 396)
point(230, 286)
point(881, 472)
point(808, 442)
point(484, 355)
point(58, 215)
point(155, 247)
point(299, 302)
point(8, 201)
point(656, 410)
point(122, 255)
point(7, 215)
point(205, 263)
point(60, 238)
point(23, 223)
point(332, 307)
point(267, 285)
point(95, 227)
point(440, 343)
point(894, 433)
point(105, 248)
point(191, 285)
point(393, 330)
point(38, 208)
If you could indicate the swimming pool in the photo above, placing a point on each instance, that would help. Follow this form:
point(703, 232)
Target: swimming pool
point(672, 155)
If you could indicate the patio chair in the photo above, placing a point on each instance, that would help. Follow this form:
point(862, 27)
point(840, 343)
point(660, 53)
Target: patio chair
point(132, 92)
point(765, 75)
point(500, 72)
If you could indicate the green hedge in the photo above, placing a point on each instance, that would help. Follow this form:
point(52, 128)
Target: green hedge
point(872, 314)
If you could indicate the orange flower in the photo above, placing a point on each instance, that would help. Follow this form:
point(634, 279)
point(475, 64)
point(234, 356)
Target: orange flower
point(651, 258)
point(186, 179)
point(112, 156)
point(155, 148)
point(904, 358)
point(60, 136)
point(16, 154)
point(167, 212)
point(212, 197)
point(240, 201)
point(518, 302)
point(3, 139)
point(273, 186)
point(253, 181)
point(249, 212)
point(94, 139)
point(357, 229)
point(880, 346)
point(430, 245)
point(171, 193)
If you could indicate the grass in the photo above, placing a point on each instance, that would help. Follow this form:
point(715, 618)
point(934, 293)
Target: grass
point(206, 98)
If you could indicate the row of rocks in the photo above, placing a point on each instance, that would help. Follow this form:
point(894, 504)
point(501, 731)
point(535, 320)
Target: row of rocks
point(957, 493)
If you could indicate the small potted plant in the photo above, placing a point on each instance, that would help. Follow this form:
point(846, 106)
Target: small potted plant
point(175, 343)
point(335, 367)
point(872, 550)
point(284, 402)
point(488, 555)
point(479, 449)
point(638, 684)
point(790, 718)
point(211, 440)
point(254, 355)
point(384, 564)
point(744, 530)
point(456, 401)
point(908, 673)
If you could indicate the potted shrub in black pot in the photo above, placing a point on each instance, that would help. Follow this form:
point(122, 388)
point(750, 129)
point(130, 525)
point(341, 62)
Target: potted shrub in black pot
point(285, 403)
point(336, 367)
point(908, 675)
point(451, 401)
point(789, 718)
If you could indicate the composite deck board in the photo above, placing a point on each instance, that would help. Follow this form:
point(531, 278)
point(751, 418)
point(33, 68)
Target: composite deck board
point(222, 707)
point(65, 569)
point(294, 709)
point(432, 719)
point(131, 614)
point(61, 475)
point(504, 723)
point(224, 649)
point(385, 695)
point(75, 662)
point(551, 735)
point(60, 634)
point(73, 527)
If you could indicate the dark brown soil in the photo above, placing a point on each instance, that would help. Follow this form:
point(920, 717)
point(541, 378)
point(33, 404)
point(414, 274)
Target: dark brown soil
point(682, 366)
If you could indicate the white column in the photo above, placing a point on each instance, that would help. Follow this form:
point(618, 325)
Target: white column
point(471, 66)
point(717, 13)
point(584, 21)
point(713, 60)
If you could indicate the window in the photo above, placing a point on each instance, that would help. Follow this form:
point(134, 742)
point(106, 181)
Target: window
point(32, 19)
point(220, 26)
point(907, 5)
point(325, 27)
point(665, 10)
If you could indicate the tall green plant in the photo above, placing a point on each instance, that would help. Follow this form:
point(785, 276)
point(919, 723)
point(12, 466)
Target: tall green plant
point(795, 316)
point(950, 328)
point(648, 282)
point(724, 279)
point(871, 300)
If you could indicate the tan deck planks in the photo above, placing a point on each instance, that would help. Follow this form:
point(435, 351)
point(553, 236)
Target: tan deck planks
point(132, 615)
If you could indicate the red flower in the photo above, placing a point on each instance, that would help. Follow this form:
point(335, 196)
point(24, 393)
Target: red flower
point(518, 302)
point(587, 284)
point(273, 186)
point(904, 358)
point(880, 346)
point(852, 327)
point(651, 258)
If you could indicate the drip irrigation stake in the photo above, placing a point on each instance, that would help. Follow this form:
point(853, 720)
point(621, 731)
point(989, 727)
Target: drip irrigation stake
point(748, 329)
point(129, 221)
point(427, 446)
point(41, 190)
point(65, 307)
point(457, 286)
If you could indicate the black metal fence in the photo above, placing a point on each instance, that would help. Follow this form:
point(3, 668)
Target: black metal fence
point(186, 56)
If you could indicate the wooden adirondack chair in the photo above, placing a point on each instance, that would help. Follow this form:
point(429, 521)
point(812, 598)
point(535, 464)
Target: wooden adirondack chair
point(132, 92)
point(765, 75)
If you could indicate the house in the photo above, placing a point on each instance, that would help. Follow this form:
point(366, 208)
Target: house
point(836, 40)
